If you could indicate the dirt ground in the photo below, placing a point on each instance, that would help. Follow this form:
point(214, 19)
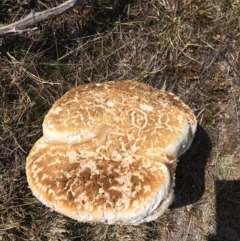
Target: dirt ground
point(189, 47)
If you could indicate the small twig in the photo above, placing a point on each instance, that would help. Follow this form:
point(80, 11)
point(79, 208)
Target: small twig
point(25, 2)
point(105, 234)
point(237, 111)
point(24, 25)
point(230, 64)
point(189, 225)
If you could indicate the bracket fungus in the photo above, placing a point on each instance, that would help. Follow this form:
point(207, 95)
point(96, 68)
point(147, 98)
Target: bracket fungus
point(109, 151)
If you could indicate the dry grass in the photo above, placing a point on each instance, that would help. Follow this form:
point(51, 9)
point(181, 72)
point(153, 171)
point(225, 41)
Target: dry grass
point(190, 47)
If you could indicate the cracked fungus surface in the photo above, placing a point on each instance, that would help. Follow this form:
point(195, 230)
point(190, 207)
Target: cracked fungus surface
point(91, 188)
point(106, 149)
point(129, 111)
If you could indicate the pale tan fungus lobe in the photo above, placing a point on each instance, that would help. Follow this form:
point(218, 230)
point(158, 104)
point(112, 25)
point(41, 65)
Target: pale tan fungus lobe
point(109, 151)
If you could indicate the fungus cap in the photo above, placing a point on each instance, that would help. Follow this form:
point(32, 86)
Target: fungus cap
point(108, 152)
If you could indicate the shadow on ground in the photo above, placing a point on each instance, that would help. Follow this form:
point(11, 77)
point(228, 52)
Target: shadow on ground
point(190, 172)
point(227, 211)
